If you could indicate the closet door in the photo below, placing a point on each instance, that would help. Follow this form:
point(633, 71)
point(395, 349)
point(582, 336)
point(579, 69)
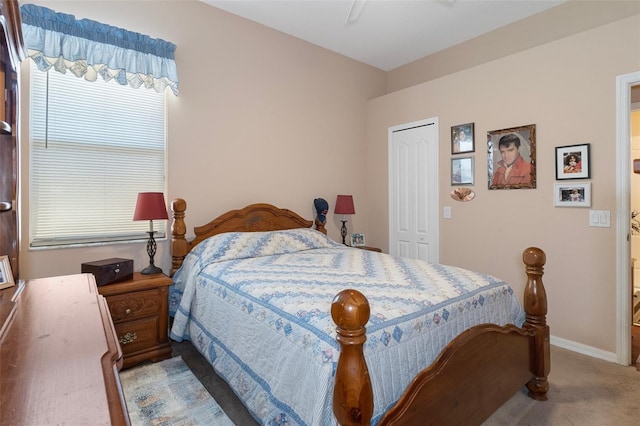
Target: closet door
point(11, 53)
point(413, 195)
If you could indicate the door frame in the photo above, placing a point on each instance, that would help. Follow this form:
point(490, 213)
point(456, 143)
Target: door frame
point(623, 206)
point(434, 211)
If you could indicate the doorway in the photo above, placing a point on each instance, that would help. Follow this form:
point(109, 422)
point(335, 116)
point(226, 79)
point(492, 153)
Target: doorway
point(413, 190)
point(626, 85)
point(635, 224)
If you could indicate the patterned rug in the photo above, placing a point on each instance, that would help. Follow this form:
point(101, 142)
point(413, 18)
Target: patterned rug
point(167, 393)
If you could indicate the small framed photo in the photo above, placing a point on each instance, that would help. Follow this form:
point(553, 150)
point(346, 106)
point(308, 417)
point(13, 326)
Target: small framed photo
point(462, 171)
point(6, 276)
point(573, 162)
point(572, 194)
point(357, 240)
point(462, 138)
point(512, 157)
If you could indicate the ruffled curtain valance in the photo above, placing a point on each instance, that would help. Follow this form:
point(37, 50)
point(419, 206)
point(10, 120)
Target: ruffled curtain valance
point(90, 49)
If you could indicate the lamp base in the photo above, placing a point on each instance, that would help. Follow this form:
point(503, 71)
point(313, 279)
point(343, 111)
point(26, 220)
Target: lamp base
point(343, 231)
point(151, 251)
point(151, 269)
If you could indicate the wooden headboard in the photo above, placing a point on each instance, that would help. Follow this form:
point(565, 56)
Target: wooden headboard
point(252, 218)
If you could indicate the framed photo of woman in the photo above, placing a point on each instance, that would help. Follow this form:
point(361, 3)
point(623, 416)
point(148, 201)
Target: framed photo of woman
point(573, 162)
point(462, 138)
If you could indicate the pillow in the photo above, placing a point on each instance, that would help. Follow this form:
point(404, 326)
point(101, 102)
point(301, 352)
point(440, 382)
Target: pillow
point(241, 245)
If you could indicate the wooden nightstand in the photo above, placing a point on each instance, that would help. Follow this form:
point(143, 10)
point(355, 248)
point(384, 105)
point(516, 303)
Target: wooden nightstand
point(140, 312)
point(369, 248)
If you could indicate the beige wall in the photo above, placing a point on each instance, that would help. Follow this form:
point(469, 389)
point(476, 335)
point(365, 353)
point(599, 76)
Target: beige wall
point(568, 90)
point(261, 117)
point(571, 17)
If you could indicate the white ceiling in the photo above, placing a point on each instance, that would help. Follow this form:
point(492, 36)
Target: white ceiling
point(385, 33)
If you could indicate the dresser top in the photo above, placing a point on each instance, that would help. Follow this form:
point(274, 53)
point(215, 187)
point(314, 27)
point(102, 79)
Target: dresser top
point(59, 356)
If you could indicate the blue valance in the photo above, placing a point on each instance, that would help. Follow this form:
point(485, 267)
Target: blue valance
point(90, 49)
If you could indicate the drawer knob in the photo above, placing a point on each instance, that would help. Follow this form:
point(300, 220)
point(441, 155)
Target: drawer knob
point(127, 311)
point(128, 338)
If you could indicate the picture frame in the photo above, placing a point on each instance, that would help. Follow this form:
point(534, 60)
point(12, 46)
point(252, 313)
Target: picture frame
point(573, 161)
point(511, 159)
point(572, 194)
point(462, 171)
point(462, 138)
point(357, 240)
point(6, 276)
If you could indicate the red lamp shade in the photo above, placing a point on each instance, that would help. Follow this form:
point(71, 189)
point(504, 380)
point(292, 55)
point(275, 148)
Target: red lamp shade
point(344, 205)
point(150, 206)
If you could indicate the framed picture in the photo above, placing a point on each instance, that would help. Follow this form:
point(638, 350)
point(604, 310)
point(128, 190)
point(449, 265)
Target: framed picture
point(462, 138)
point(573, 162)
point(572, 194)
point(512, 157)
point(462, 171)
point(6, 276)
point(357, 240)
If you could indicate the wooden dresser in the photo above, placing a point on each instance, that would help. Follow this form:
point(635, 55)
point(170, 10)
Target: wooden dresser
point(59, 357)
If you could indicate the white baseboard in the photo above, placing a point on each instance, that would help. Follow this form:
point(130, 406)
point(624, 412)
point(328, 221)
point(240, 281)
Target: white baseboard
point(584, 349)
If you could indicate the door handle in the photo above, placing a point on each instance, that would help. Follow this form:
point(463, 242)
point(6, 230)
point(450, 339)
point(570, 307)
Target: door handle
point(5, 206)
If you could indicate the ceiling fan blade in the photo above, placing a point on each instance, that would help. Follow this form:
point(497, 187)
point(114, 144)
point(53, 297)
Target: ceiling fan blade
point(355, 10)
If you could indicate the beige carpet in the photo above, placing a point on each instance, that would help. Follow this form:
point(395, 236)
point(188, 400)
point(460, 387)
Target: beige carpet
point(583, 391)
point(167, 393)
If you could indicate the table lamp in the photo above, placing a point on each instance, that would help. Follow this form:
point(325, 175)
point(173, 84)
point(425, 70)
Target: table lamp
point(150, 206)
point(344, 205)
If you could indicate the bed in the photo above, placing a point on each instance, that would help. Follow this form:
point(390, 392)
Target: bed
point(280, 312)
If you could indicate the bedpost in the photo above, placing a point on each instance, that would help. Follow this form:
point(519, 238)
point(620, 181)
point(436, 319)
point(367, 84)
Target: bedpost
point(178, 232)
point(352, 392)
point(535, 306)
point(320, 227)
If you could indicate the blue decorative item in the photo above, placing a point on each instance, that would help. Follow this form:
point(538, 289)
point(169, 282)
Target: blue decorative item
point(322, 207)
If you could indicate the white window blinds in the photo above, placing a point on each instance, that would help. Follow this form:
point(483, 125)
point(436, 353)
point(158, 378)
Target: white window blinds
point(94, 146)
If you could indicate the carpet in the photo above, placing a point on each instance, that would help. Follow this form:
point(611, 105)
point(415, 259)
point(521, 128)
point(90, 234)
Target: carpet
point(167, 393)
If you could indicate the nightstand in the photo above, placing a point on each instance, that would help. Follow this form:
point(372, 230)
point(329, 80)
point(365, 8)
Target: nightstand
point(140, 312)
point(369, 248)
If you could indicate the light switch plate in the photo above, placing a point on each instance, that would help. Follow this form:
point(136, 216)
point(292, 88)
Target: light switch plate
point(600, 218)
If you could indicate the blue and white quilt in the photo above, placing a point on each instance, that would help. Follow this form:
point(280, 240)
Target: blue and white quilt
point(257, 306)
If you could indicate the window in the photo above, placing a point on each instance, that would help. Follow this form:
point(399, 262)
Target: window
point(94, 146)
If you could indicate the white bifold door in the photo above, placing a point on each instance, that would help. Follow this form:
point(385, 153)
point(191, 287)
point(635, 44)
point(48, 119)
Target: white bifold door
point(413, 190)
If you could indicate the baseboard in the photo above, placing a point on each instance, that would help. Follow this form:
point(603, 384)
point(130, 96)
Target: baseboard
point(584, 349)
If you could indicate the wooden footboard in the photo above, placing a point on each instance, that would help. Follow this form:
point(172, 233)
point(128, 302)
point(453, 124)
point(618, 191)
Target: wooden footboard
point(474, 375)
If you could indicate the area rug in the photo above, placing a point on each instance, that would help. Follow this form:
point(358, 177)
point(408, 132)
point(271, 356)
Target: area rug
point(167, 393)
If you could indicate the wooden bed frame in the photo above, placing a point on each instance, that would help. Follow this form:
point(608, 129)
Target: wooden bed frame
point(473, 376)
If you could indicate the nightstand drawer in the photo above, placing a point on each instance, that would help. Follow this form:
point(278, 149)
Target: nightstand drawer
point(139, 304)
point(139, 334)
